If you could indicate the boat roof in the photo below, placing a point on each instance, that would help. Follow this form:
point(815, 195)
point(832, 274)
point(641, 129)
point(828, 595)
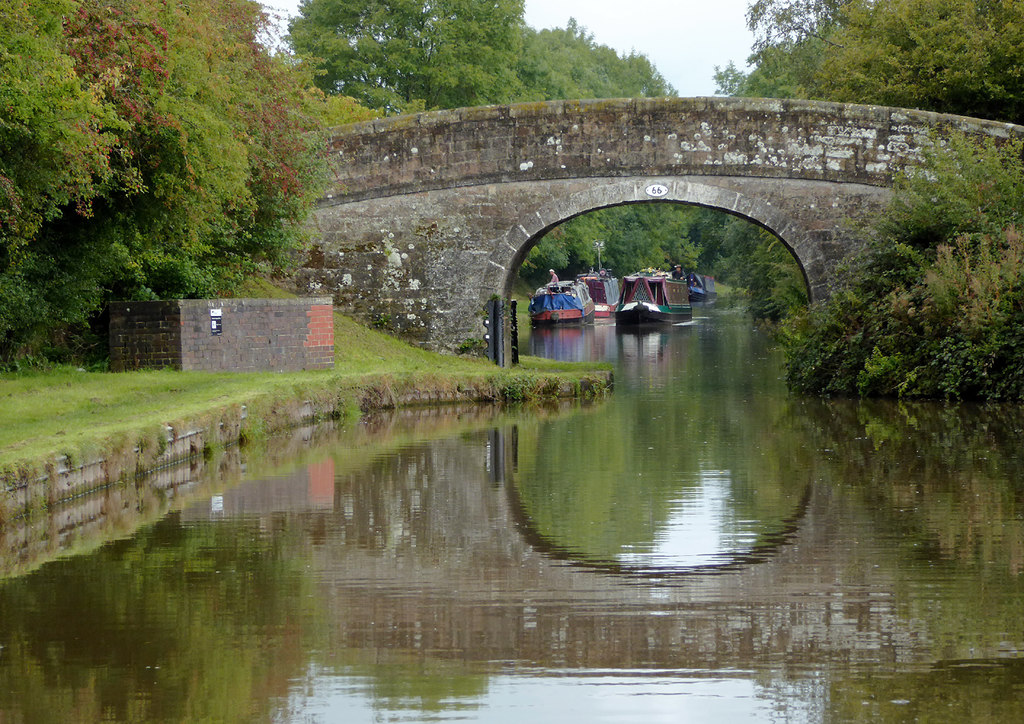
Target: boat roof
point(656, 276)
point(560, 287)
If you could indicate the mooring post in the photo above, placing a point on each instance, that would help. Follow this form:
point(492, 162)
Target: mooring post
point(495, 334)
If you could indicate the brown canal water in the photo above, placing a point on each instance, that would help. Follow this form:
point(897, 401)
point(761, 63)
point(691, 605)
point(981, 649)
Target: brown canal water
point(699, 547)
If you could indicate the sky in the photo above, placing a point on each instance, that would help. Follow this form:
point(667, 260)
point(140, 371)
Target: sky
point(684, 39)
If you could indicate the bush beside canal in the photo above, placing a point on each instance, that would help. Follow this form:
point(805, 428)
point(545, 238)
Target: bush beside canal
point(934, 305)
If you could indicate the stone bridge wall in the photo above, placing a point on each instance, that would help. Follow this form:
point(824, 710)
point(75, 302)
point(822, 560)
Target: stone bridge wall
point(429, 215)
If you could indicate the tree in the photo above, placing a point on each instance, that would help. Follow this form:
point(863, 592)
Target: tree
point(756, 261)
point(173, 156)
point(951, 56)
point(54, 149)
point(791, 38)
point(405, 55)
point(567, 63)
point(636, 236)
point(781, 72)
point(787, 23)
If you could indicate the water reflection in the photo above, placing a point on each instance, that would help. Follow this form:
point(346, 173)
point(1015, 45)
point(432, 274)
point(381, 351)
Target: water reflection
point(686, 523)
point(583, 343)
point(469, 566)
point(681, 469)
point(651, 353)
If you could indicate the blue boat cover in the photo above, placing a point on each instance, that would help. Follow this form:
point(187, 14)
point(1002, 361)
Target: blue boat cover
point(547, 302)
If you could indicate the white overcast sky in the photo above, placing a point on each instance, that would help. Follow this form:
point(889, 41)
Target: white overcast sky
point(685, 39)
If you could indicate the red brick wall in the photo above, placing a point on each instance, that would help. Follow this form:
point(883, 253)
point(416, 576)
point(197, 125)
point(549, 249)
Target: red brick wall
point(319, 342)
point(254, 334)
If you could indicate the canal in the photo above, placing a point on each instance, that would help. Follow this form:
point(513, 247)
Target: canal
point(701, 546)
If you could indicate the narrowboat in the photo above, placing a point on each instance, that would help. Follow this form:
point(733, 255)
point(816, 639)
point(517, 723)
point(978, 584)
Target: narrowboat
point(562, 303)
point(604, 290)
point(653, 297)
point(702, 288)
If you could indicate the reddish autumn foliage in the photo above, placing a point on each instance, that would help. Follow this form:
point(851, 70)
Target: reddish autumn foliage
point(173, 155)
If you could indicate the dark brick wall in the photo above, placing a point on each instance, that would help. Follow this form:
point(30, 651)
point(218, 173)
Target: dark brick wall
point(253, 334)
point(145, 334)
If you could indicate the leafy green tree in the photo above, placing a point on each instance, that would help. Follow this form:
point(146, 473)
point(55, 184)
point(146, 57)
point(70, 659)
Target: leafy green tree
point(786, 23)
point(790, 41)
point(54, 149)
point(781, 72)
point(147, 149)
point(405, 55)
point(760, 263)
point(635, 236)
point(729, 80)
point(568, 63)
point(335, 110)
point(952, 56)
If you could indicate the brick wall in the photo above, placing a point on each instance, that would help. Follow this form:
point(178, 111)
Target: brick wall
point(238, 335)
point(145, 334)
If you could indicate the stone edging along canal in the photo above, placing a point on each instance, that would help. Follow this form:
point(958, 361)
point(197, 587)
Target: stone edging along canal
point(29, 489)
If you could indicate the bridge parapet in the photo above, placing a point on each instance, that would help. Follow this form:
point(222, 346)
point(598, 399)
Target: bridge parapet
point(762, 138)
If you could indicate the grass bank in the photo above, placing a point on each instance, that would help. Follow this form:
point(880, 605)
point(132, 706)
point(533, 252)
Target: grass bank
point(79, 416)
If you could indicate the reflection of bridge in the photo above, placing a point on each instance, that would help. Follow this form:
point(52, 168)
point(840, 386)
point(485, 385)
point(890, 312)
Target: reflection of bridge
point(431, 214)
point(419, 553)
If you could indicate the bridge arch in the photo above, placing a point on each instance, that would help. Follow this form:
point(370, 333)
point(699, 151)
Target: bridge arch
point(429, 215)
point(535, 223)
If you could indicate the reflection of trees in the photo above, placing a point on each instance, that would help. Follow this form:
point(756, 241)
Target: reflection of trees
point(944, 473)
point(194, 621)
point(169, 626)
point(980, 691)
point(943, 482)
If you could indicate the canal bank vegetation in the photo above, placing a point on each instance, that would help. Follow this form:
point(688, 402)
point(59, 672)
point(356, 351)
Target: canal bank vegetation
point(933, 307)
point(148, 150)
point(82, 415)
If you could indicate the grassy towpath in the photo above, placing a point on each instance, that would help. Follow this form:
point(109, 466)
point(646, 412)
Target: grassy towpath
point(83, 414)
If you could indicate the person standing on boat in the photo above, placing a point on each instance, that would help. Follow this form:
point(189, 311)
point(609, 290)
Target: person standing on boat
point(554, 277)
point(677, 272)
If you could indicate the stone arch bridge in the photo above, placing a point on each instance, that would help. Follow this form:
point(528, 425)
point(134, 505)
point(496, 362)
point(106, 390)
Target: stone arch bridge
point(430, 215)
